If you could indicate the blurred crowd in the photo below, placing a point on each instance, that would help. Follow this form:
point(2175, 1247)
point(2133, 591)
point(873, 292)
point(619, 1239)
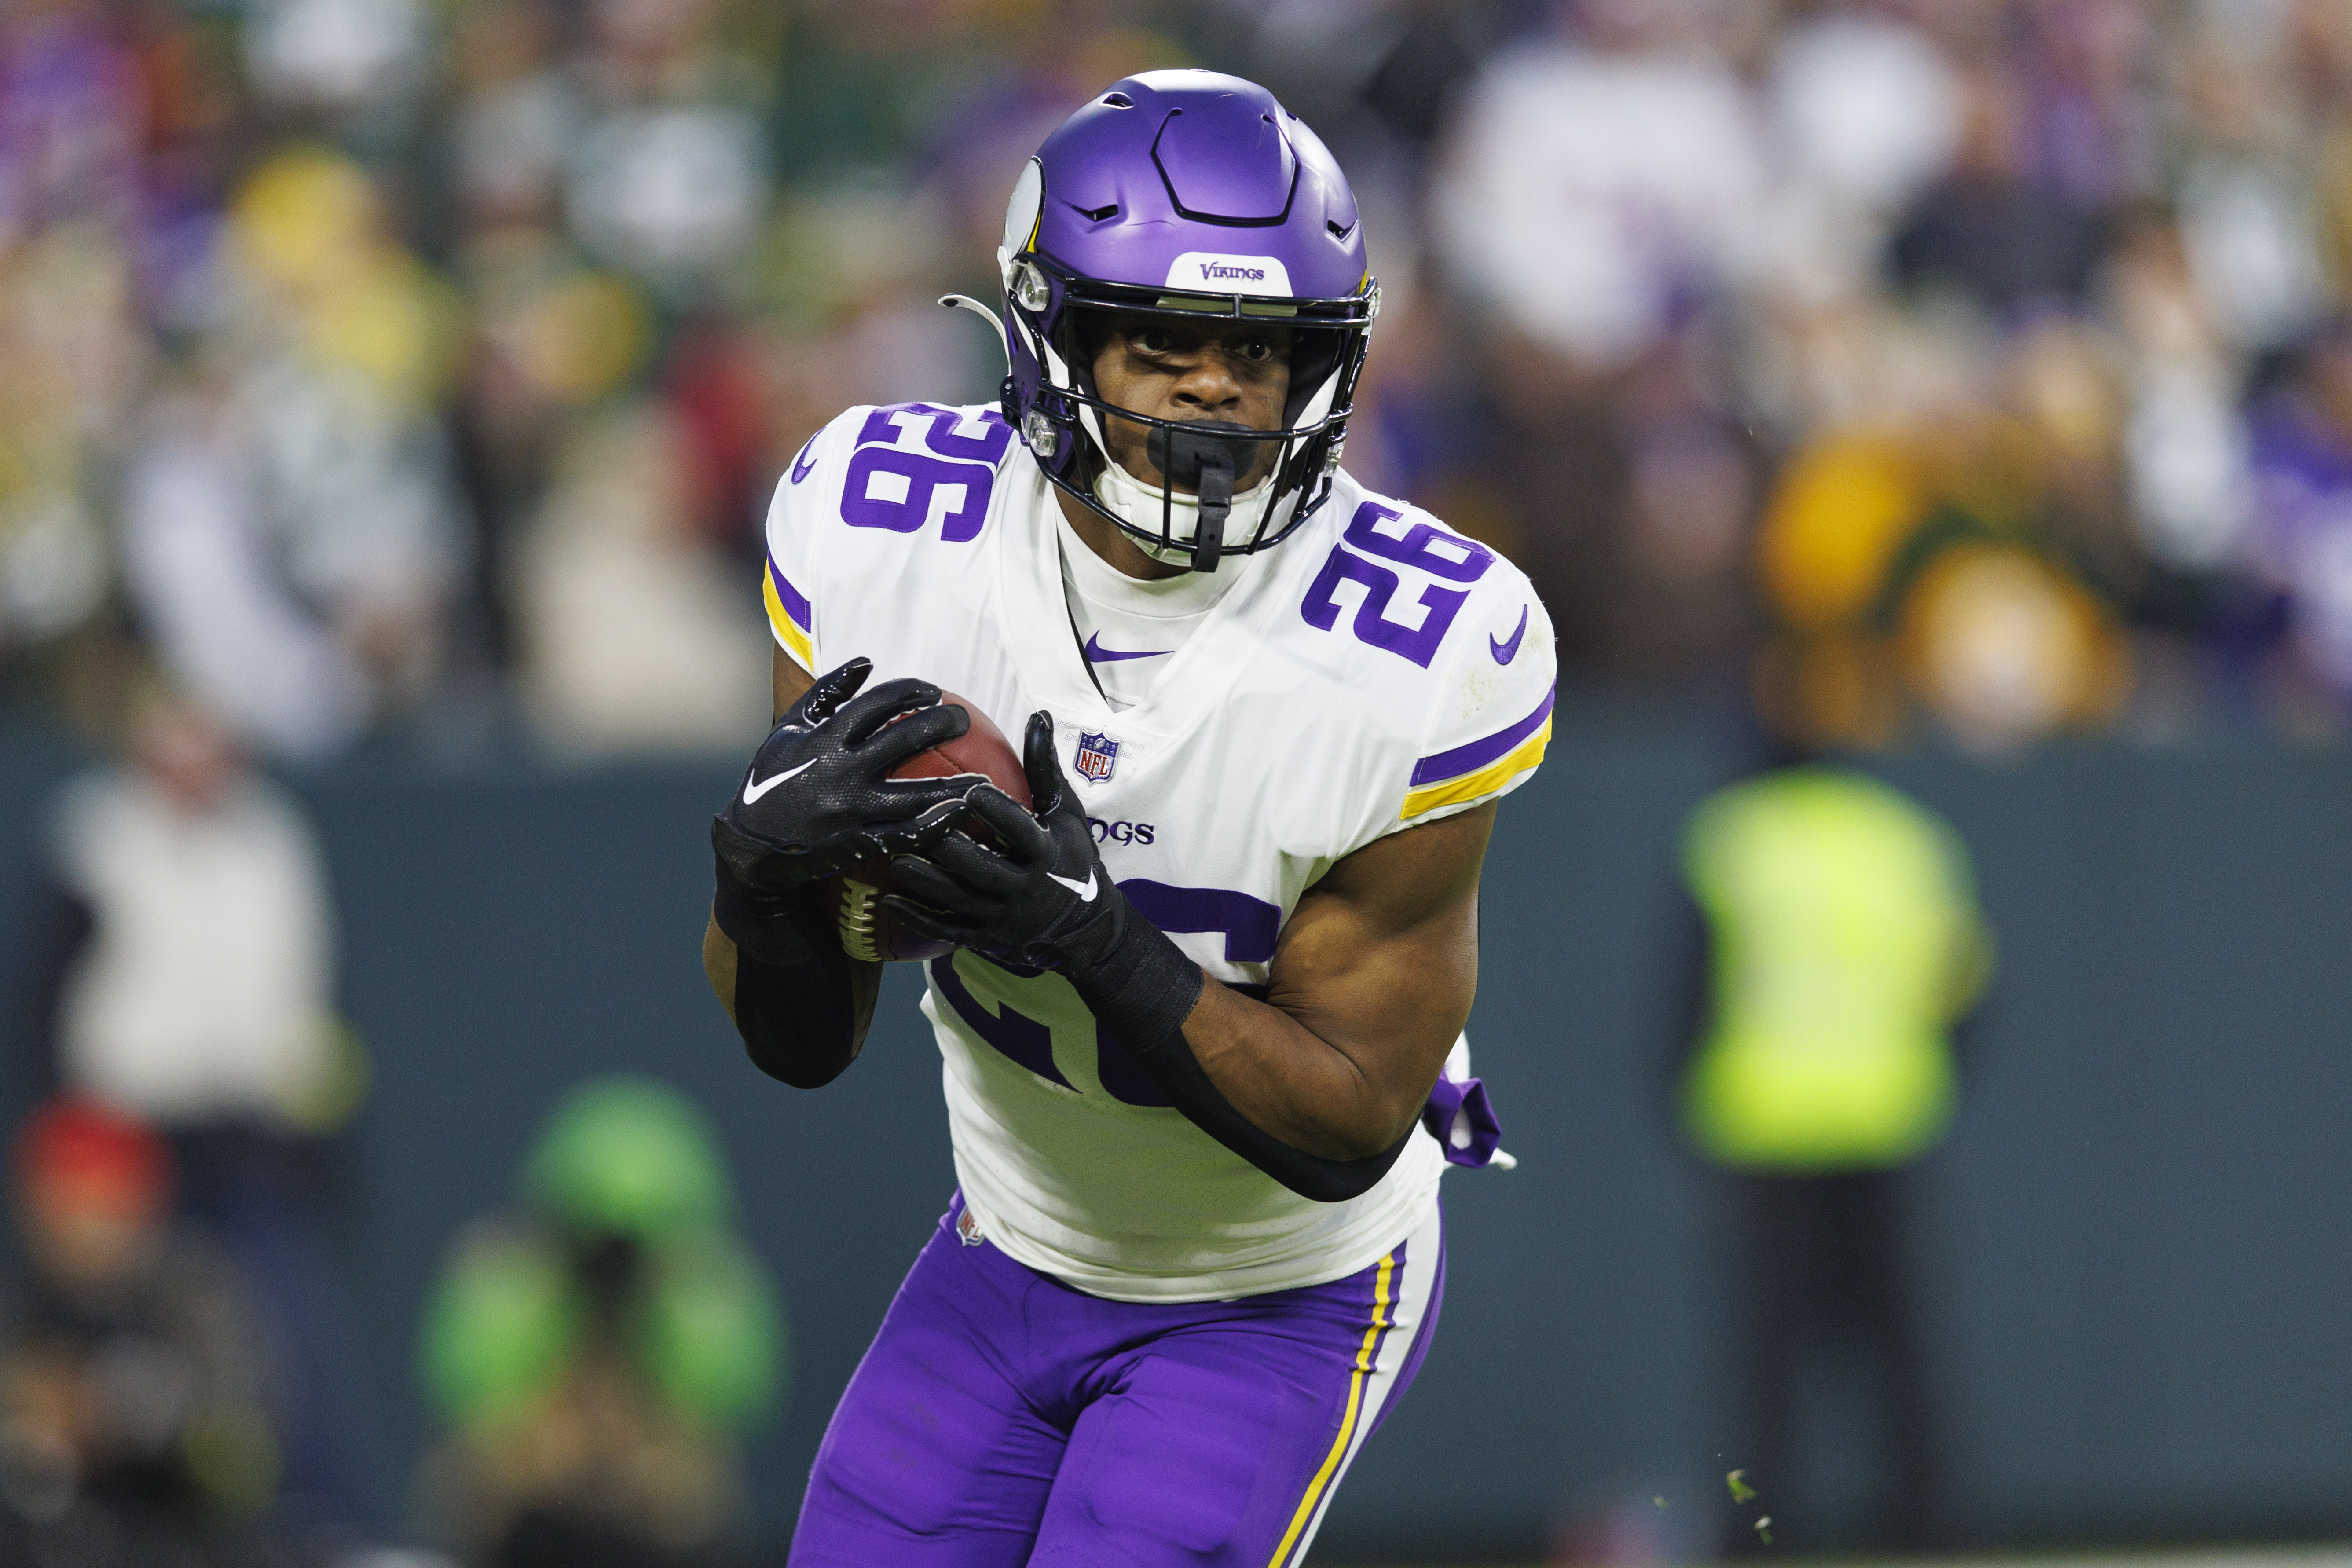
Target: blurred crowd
point(420, 366)
point(182, 1371)
point(1940, 365)
point(595, 1355)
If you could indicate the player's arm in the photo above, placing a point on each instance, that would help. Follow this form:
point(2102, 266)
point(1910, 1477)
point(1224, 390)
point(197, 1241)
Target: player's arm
point(1319, 1086)
point(790, 683)
point(1371, 983)
point(816, 799)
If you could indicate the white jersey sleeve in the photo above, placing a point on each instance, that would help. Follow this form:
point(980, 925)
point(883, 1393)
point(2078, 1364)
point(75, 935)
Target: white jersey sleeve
point(1470, 723)
point(853, 516)
point(1491, 720)
point(788, 578)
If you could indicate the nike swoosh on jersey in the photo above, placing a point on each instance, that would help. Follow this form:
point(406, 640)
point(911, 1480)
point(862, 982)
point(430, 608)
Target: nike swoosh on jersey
point(805, 462)
point(1507, 651)
point(752, 791)
point(1098, 654)
point(1085, 890)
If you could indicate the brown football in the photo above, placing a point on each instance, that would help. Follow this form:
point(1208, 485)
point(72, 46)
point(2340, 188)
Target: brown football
point(867, 931)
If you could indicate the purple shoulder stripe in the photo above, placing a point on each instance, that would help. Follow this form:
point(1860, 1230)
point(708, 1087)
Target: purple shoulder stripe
point(1478, 753)
point(795, 602)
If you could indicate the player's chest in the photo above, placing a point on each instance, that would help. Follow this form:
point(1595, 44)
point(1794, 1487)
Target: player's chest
point(1222, 778)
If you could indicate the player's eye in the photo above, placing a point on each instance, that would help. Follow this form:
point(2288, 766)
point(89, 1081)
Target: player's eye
point(1254, 350)
point(1150, 341)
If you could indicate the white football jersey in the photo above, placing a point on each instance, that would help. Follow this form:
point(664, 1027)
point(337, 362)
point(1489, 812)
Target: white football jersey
point(1374, 672)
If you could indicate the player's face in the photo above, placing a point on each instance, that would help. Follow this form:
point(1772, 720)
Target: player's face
point(1223, 372)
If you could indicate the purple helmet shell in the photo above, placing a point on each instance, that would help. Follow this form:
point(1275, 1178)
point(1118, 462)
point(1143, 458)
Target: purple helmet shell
point(1190, 194)
point(1177, 164)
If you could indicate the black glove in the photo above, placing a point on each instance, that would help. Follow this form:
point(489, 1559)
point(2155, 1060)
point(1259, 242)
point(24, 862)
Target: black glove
point(818, 798)
point(1042, 898)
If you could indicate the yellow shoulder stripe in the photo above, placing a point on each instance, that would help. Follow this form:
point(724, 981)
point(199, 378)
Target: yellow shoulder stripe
point(1486, 780)
point(796, 642)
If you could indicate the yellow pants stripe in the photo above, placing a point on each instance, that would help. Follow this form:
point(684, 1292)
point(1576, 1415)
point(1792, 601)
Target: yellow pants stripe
point(1346, 1423)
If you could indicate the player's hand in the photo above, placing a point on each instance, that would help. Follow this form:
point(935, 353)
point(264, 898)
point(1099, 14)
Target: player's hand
point(1043, 898)
point(819, 798)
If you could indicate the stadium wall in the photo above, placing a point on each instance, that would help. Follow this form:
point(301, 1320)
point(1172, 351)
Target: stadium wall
point(2133, 1238)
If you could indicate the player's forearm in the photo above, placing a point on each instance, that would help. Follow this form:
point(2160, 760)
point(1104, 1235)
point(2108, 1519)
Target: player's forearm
point(1371, 983)
point(805, 1026)
point(802, 1016)
point(1147, 994)
point(1294, 1085)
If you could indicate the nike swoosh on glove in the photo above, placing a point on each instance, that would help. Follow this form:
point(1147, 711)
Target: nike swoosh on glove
point(1041, 898)
point(819, 797)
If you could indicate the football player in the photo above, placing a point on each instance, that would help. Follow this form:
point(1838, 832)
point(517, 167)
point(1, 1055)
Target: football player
point(1201, 1014)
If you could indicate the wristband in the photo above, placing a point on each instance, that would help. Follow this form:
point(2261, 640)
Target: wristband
point(1141, 987)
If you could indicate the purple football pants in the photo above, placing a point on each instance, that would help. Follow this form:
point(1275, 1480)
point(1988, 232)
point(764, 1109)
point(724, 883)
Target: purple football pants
point(1002, 1418)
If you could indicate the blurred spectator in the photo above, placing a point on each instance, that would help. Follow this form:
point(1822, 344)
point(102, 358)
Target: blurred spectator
point(668, 178)
point(359, 62)
point(598, 1355)
point(290, 527)
point(627, 623)
point(2303, 536)
point(552, 339)
point(2249, 214)
point(1841, 941)
point(1953, 541)
point(1988, 231)
point(1597, 180)
point(199, 986)
point(71, 357)
point(1591, 203)
point(1378, 81)
point(188, 973)
point(198, 562)
point(2185, 449)
point(131, 1427)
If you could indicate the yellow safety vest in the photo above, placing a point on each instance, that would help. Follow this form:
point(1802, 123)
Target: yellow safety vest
point(1846, 940)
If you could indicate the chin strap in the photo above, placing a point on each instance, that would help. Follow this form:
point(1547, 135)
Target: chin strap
point(1216, 494)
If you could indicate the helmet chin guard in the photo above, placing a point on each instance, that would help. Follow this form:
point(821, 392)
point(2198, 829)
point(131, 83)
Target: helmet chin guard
point(1190, 196)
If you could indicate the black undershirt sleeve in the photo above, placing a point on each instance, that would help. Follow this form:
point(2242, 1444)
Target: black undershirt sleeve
point(802, 1004)
point(1141, 990)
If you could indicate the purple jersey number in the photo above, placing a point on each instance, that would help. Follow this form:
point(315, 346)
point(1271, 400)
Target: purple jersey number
point(887, 487)
point(1016, 1037)
point(1424, 547)
point(1247, 924)
point(939, 433)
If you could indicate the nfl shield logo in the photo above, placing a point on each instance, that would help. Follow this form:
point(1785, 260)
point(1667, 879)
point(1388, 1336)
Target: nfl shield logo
point(1097, 754)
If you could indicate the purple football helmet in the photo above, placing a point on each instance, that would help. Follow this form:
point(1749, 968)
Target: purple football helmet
point(1186, 194)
